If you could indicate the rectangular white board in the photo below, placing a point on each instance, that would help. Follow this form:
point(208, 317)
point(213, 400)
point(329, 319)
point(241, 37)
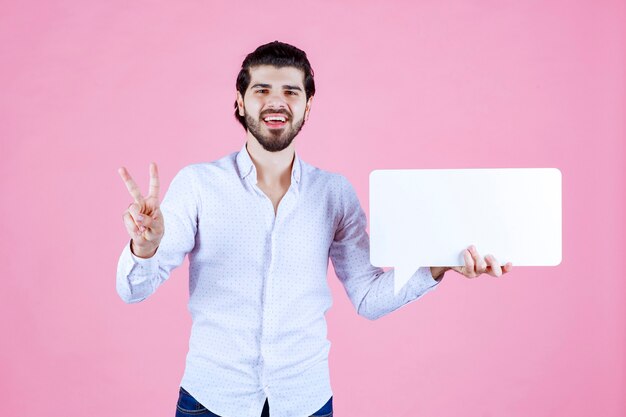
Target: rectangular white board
point(427, 217)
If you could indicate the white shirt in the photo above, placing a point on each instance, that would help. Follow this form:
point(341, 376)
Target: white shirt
point(258, 291)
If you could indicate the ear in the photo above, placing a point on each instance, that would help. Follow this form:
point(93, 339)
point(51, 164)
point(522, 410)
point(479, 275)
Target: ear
point(307, 109)
point(240, 104)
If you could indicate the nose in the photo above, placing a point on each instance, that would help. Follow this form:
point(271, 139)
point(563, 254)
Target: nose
point(276, 101)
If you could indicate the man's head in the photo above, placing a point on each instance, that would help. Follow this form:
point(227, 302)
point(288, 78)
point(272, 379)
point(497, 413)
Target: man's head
point(275, 80)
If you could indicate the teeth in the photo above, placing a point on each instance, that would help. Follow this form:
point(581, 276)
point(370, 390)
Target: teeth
point(282, 119)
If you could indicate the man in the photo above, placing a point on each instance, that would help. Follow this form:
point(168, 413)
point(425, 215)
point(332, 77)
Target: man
point(259, 226)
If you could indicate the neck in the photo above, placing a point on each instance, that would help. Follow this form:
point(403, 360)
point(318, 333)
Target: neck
point(272, 168)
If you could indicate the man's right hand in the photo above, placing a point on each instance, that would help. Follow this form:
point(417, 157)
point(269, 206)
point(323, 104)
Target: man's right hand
point(143, 218)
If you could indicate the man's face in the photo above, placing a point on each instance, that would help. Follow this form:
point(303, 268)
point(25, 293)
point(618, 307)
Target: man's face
point(274, 93)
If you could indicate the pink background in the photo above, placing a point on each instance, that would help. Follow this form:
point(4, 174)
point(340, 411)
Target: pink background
point(91, 86)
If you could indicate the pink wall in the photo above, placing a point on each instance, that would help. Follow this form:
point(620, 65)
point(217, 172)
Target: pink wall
point(88, 86)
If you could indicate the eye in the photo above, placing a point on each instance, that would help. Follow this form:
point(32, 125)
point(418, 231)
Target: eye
point(292, 93)
point(261, 90)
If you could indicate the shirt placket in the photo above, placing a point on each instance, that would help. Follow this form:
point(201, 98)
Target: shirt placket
point(273, 226)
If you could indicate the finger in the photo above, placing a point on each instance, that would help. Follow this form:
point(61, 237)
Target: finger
point(154, 233)
point(154, 181)
point(131, 227)
point(151, 235)
point(156, 226)
point(135, 211)
point(469, 264)
point(145, 221)
point(156, 220)
point(479, 261)
point(507, 267)
point(153, 223)
point(157, 214)
point(130, 185)
point(141, 217)
point(496, 270)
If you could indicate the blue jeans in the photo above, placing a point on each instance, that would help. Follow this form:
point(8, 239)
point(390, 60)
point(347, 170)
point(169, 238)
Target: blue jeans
point(189, 406)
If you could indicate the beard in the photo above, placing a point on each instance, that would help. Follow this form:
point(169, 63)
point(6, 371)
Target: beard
point(273, 140)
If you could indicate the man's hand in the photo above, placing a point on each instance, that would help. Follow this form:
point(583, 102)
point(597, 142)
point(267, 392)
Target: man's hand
point(143, 218)
point(475, 265)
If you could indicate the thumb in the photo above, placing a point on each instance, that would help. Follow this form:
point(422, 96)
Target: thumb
point(157, 215)
point(153, 219)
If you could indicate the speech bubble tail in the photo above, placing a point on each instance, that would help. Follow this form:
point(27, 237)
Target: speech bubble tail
point(402, 274)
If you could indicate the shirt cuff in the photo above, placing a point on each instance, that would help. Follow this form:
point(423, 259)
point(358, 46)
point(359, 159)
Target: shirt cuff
point(138, 267)
point(433, 278)
point(423, 278)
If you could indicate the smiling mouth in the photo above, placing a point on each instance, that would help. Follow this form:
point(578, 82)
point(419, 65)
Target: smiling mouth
point(275, 122)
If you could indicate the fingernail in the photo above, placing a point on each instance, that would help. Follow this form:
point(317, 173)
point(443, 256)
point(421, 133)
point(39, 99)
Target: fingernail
point(140, 217)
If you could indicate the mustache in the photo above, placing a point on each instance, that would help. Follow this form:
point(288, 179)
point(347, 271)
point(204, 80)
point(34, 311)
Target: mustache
point(275, 112)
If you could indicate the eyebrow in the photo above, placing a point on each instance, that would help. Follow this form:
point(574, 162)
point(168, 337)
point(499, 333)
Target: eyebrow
point(285, 86)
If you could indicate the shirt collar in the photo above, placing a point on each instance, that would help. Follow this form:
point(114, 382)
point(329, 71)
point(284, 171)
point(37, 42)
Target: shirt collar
point(246, 166)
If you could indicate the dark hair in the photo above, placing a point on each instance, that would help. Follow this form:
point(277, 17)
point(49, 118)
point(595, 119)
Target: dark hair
point(279, 55)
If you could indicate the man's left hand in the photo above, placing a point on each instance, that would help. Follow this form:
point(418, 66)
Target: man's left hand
point(475, 265)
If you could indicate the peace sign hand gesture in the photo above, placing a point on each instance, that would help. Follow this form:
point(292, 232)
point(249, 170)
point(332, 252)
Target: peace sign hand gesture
point(143, 218)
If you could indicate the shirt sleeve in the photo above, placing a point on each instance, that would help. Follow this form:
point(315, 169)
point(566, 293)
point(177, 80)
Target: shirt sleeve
point(370, 288)
point(138, 278)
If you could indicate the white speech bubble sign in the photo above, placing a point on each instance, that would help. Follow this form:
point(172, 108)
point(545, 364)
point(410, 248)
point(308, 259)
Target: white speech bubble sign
point(427, 217)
